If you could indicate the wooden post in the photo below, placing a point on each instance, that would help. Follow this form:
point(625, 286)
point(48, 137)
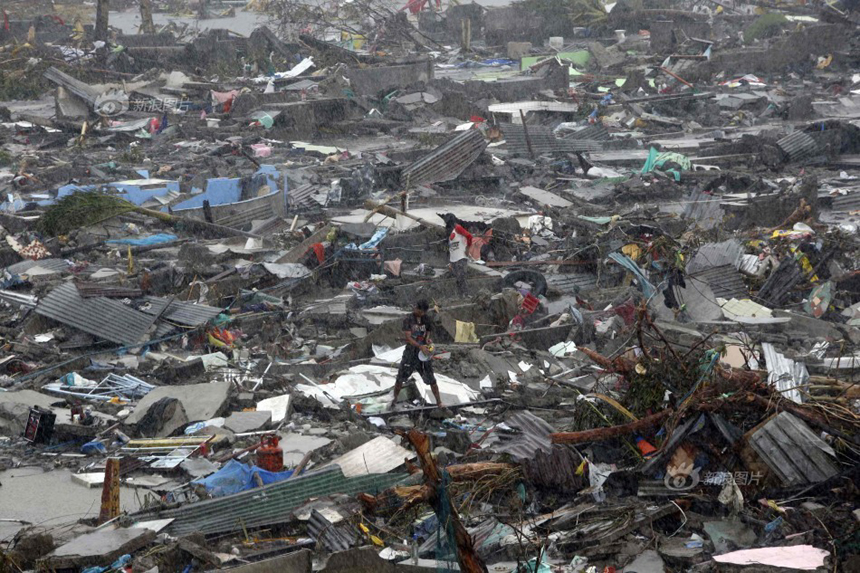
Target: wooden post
point(101, 29)
point(466, 34)
point(147, 26)
point(528, 139)
point(110, 491)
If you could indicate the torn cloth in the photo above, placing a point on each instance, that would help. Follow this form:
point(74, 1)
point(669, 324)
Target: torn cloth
point(393, 266)
point(647, 288)
point(665, 161)
point(465, 332)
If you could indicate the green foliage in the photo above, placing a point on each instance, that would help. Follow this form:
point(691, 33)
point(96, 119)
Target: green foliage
point(21, 84)
point(766, 26)
point(645, 392)
point(133, 155)
point(5, 158)
point(80, 210)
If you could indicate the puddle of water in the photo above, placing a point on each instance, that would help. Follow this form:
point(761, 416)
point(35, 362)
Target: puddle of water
point(52, 497)
point(242, 23)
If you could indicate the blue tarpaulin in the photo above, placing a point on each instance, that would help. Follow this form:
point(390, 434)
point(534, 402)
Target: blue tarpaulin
point(235, 477)
point(647, 288)
point(377, 237)
point(144, 241)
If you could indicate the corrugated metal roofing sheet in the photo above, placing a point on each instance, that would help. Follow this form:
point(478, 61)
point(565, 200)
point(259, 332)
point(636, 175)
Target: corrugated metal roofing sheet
point(332, 536)
point(749, 264)
point(725, 281)
point(187, 313)
point(571, 282)
point(102, 317)
point(533, 437)
point(799, 146)
point(90, 290)
point(23, 300)
point(783, 373)
point(514, 108)
point(543, 141)
point(301, 196)
point(447, 161)
point(793, 451)
point(716, 255)
point(378, 456)
point(593, 132)
point(58, 265)
point(705, 209)
point(849, 202)
point(782, 280)
point(268, 504)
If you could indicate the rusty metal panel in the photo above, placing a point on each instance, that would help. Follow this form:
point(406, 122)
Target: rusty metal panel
point(447, 161)
point(102, 317)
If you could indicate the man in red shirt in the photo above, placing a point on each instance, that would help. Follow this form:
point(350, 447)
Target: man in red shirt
point(459, 241)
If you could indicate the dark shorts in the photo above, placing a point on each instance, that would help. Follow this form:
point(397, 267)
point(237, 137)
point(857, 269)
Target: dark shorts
point(411, 363)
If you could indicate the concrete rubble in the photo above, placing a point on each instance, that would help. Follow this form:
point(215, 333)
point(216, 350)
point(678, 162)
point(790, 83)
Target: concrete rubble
point(623, 237)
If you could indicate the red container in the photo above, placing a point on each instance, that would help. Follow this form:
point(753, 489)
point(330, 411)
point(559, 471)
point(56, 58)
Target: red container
point(530, 303)
point(270, 456)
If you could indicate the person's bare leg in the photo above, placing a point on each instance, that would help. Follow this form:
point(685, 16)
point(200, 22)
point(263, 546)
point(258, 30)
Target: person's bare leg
point(435, 389)
point(398, 386)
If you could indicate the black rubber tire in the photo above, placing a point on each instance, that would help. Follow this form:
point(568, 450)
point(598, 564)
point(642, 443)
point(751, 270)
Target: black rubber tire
point(534, 278)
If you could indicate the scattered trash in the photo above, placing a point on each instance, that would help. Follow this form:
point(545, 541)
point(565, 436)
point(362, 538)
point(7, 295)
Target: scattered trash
point(546, 286)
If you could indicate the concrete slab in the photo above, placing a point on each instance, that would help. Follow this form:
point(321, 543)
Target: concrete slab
point(28, 397)
point(97, 548)
point(545, 197)
point(198, 467)
point(279, 406)
point(675, 548)
point(295, 446)
point(298, 562)
point(147, 481)
point(722, 533)
point(200, 401)
point(93, 479)
point(15, 407)
point(241, 422)
point(648, 562)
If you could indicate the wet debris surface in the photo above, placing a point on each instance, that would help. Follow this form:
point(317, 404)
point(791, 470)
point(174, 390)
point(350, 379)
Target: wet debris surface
point(556, 286)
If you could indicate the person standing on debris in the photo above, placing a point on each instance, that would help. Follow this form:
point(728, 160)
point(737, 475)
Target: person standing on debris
point(417, 331)
point(459, 241)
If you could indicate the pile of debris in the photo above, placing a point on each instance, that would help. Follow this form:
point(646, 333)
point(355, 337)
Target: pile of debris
point(555, 286)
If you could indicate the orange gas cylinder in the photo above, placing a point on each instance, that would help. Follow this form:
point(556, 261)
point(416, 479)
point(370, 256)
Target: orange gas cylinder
point(269, 455)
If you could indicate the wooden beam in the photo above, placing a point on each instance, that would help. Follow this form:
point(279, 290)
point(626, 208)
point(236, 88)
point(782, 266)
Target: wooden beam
point(603, 434)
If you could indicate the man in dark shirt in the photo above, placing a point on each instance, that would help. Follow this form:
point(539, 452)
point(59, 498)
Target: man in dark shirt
point(417, 331)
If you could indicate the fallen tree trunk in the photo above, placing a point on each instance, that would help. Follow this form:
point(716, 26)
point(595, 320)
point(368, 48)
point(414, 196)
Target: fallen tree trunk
point(409, 496)
point(626, 366)
point(446, 512)
point(603, 434)
point(195, 224)
point(435, 492)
